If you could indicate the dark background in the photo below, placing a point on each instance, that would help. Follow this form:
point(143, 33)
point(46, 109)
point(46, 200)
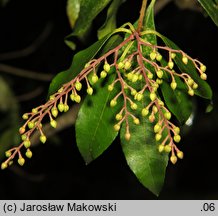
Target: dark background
point(57, 171)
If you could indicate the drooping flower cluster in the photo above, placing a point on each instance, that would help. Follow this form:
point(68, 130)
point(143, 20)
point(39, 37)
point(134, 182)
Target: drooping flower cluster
point(131, 67)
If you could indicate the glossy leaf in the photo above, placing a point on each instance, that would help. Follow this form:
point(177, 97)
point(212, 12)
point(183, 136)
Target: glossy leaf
point(177, 101)
point(141, 151)
point(110, 23)
point(89, 9)
point(78, 63)
point(203, 89)
point(212, 9)
point(73, 9)
point(143, 158)
point(94, 125)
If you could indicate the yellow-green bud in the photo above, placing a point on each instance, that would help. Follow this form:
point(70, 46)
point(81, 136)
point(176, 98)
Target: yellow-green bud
point(25, 116)
point(145, 112)
point(167, 148)
point(7, 153)
point(127, 136)
point(43, 138)
point(151, 118)
point(120, 65)
point(21, 161)
point(118, 117)
point(127, 65)
point(139, 96)
point(190, 81)
point(110, 87)
point(113, 103)
point(135, 78)
point(153, 55)
point(154, 109)
point(103, 74)
point(157, 128)
point(136, 121)
point(133, 92)
point(134, 106)
point(203, 68)
point(170, 64)
point(158, 57)
point(158, 137)
point(195, 86)
point(66, 108)
point(78, 85)
point(27, 143)
point(22, 130)
point(160, 73)
point(61, 106)
point(191, 92)
point(89, 90)
point(177, 138)
point(150, 75)
point(60, 90)
point(4, 165)
point(77, 99)
point(180, 154)
point(173, 85)
point(54, 112)
point(173, 159)
point(52, 97)
point(160, 148)
point(94, 78)
point(23, 137)
point(29, 154)
point(34, 110)
point(107, 67)
point(116, 127)
point(173, 55)
point(177, 130)
point(185, 60)
point(53, 123)
point(30, 124)
point(203, 76)
point(167, 115)
point(153, 96)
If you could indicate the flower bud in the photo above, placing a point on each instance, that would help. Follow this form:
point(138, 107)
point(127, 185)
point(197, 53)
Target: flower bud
point(110, 87)
point(127, 136)
point(103, 74)
point(43, 138)
point(167, 115)
point(160, 148)
point(113, 103)
point(158, 57)
point(30, 124)
point(61, 107)
point(22, 130)
point(94, 78)
point(203, 68)
point(203, 76)
point(116, 127)
point(135, 78)
point(160, 73)
point(177, 138)
point(139, 96)
point(53, 123)
point(4, 165)
point(118, 117)
point(134, 106)
point(173, 159)
point(191, 92)
point(66, 108)
point(173, 85)
point(167, 148)
point(170, 64)
point(77, 98)
point(25, 116)
point(133, 92)
point(173, 55)
point(27, 143)
point(180, 154)
point(21, 161)
point(8, 153)
point(34, 110)
point(190, 81)
point(145, 112)
point(153, 55)
point(54, 112)
point(29, 154)
point(157, 128)
point(151, 118)
point(185, 60)
point(177, 130)
point(127, 65)
point(120, 65)
point(106, 67)
point(89, 90)
point(158, 137)
point(136, 121)
point(153, 96)
point(78, 85)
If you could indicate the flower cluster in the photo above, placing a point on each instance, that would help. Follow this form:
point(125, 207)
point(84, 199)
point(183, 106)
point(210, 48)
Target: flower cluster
point(131, 67)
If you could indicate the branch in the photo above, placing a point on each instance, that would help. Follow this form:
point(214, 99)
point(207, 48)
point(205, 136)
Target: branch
point(30, 49)
point(25, 73)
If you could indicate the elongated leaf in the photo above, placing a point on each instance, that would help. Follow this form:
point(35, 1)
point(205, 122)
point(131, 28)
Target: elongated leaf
point(203, 89)
point(110, 23)
point(89, 9)
point(177, 101)
point(94, 126)
point(143, 158)
point(78, 63)
point(73, 9)
point(141, 152)
point(212, 9)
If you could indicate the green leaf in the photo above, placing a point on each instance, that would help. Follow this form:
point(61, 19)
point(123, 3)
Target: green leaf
point(203, 90)
point(141, 151)
point(212, 9)
point(177, 101)
point(142, 155)
point(94, 125)
point(73, 9)
point(78, 63)
point(89, 9)
point(110, 23)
